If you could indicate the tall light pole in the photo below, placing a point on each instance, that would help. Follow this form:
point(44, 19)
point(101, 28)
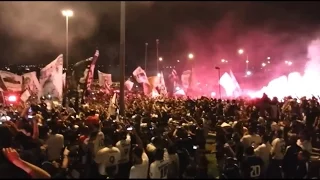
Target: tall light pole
point(145, 57)
point(219, 76)
point(157, 43)
point(190, 57)
point(67, 14)
point(122, 54)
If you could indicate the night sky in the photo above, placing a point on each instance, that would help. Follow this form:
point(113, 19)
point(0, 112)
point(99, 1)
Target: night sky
point(34, 32)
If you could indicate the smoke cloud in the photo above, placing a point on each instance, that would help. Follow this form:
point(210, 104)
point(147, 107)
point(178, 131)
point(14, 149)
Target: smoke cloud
point(40, 26)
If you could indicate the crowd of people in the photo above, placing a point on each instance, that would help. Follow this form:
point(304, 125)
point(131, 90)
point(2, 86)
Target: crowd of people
point(160, 138)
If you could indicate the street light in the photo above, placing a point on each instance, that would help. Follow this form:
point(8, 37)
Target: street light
point(160, 59)
point(224, 61)
point(263, 64)
point(240, 51)
point(178, 60)
point(289, 63)
point(248, 73)
point(219, 76)
point(67, 14)
point(268, 58)
point(190, 56)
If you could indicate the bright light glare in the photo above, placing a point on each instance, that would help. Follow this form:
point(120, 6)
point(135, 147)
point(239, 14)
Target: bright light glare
point(67, 13)
point(247, 61)
point(268, 62)
point(177, 88)
point(268, 58)
point(178, 60)
point(223, 60)
point(213, 94)
point(158, 74)
point(289, 63)
point(263, 64)
point(248, 73)
point(190, 56)
point(160, 59)
point(240, 51)
point(12, 98)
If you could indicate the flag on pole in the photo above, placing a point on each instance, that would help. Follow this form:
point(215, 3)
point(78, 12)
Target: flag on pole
point(91, 70)
point(237, 91)
point(140, 75)
point(129, 84)
point(80, 73)
point(113, 104)
point(51, 79)
point(105, 81)
point(185, 79)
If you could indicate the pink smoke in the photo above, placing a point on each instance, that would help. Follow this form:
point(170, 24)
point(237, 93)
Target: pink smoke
point(296, 84)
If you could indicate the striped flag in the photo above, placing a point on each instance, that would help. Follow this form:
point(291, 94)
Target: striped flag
point(91, 70)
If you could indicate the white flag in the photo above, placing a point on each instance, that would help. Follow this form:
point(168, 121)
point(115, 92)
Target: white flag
point(140, 75)
point(129, 84)
point(237, 91)
point(12, 82)
point(105, 80)
point(185, 79)
point(113, 105)
point(227, 83)
point(163, 88)
point(25, 95)
point(51, 79)
point(31, 83)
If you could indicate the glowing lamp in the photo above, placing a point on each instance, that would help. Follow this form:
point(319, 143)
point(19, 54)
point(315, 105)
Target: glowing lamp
point(12, 98)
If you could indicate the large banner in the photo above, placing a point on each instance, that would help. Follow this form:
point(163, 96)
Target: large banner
point(11, 82)
point(31, 83)
point(51, 79)
point(140, 75)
